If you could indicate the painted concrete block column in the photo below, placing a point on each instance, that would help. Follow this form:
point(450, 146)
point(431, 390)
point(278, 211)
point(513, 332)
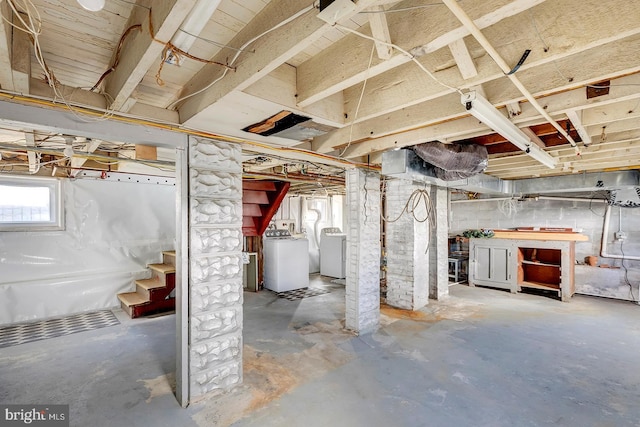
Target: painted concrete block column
point(363, 251)
point(215, 273)
point(407, 240)
point(439, 245)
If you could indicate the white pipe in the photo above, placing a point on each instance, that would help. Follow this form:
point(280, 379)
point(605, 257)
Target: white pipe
point(462, 16)
point(495, 199)
point(571, 199)
point(603, 241)
point(619, 220)
point(525, 198)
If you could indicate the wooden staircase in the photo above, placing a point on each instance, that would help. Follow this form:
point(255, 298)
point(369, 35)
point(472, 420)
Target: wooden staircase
point(153, 295)
point(260, 201)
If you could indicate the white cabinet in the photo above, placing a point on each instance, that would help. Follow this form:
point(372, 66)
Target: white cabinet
point(514, 264)
point(491, 263)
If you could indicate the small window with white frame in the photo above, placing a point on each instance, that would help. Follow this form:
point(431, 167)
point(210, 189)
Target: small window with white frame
point(30, 204)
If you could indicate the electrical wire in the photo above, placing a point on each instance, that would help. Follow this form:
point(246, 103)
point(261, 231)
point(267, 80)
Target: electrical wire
point(510, 207)
point(355, 116)
point(616, 85)
point(404, 9)
point(417, 199)
point(39, 163)
point(547, 48)
point(598, 195)
point(242, 49)
point(404, 52)
point(215, 43)
point(635, 106)
point(626, 274)
point(33, 27)
point(535, 27)
point(129, 118)
point(116, 59)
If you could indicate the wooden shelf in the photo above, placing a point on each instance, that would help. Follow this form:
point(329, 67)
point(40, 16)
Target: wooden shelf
point(539, 235)
point(542, 264)
point(539, 285)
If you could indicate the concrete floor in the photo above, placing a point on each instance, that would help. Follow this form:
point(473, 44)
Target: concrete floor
point(483, 358)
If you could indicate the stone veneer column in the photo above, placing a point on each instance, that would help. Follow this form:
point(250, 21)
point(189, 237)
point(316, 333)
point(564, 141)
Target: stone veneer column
point(406, 246)
point(215, 273)
point(439, 252)
point(363, 251)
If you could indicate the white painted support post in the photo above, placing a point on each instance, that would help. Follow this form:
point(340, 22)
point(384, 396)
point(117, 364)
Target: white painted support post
point(182, 275)
point(406, 245)
point(363, 251)
point(439, 246)
point(215, 270)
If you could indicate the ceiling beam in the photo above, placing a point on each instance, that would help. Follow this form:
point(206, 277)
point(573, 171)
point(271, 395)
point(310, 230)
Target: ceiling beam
point(6, 77)
point(21, 61)
point(407, 31)
point(514, 109)
point(542, 81)
point(141, 51)
point(534, 138)
point(408, 85)
point(463, 58)
point(380, 31)
point(22, 116)
point(90, 146)
point(576, 121)
point(86, 98)
point(564, 155)
point(30, 141)
point(271, 50)
point(624, 88)
point(279, 88)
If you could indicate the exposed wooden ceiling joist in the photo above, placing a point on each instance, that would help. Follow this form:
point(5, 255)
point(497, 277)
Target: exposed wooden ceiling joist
point(316, 70)
point(408, 85)
point(468, 127)
point(541, 81)
point(144, 48)
point(272, 50)
point(21, 61)
point(407, 31)
point(6, 77)
point(463, 59)
point(380, 31)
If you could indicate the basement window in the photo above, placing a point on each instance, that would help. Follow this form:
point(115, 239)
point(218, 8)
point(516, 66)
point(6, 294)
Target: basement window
point(30, 204)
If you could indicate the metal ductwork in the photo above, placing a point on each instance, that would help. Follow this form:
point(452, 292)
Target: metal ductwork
point(453, 162)
point(406, 164)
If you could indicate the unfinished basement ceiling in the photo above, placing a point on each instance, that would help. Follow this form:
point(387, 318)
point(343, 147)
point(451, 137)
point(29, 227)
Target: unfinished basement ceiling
point(254, 59)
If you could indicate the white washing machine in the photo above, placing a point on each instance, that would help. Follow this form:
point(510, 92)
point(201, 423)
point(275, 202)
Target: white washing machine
point(286, 261)
point(333, 253)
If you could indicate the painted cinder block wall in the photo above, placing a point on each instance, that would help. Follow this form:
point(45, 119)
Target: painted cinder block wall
point(583, 215)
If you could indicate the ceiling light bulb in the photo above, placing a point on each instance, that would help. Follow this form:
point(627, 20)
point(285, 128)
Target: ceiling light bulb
point(92, 5)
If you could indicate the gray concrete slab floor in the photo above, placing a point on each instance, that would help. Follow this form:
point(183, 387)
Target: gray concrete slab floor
point(482, 357)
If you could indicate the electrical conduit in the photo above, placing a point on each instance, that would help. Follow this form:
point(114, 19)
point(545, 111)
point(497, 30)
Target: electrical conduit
point(603, 240)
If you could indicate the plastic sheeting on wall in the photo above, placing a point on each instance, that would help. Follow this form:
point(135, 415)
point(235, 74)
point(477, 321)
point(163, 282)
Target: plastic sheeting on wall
point(112, 231)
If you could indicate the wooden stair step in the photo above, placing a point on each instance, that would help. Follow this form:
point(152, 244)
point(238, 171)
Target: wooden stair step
point(132, 298)
point(150, 284)
point(169, 257)
point(163, 268)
